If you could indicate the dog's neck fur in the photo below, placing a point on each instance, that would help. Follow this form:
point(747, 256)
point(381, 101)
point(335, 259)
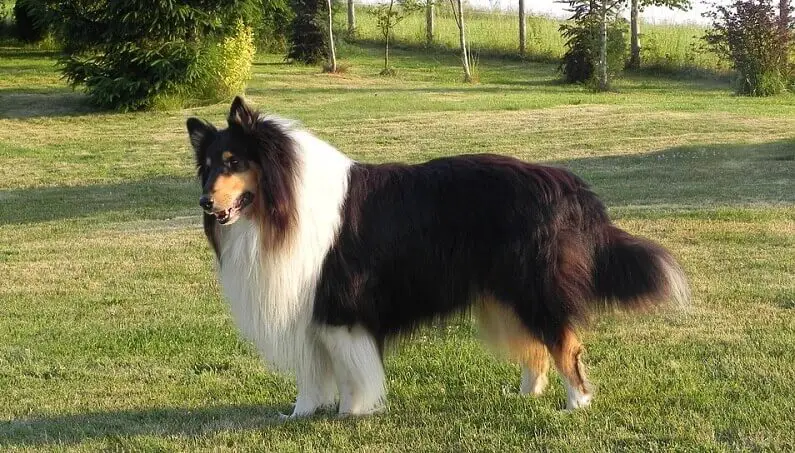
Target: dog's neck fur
point(271, 290)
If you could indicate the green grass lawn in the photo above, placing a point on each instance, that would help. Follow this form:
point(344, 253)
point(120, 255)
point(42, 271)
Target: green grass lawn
point(113, 334)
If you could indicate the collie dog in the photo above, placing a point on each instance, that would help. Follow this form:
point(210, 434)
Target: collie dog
point(322, 259)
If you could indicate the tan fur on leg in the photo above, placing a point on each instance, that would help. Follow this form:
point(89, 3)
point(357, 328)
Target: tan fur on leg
point(505, 333)
point(567, 355)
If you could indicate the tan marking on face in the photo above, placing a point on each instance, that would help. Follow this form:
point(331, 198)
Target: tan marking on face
point(227, 155)
point(228, 188)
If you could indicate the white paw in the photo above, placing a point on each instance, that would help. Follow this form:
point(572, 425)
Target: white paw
point(357, 412)
point(578, 400)
point(531, 386)
point(301, 411)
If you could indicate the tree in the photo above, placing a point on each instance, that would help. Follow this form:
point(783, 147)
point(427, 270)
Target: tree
point(747, 33)
point(784, 24)
point(595, 42)
point(133, 55)
point(27, 17)
point(351, 19)
point(458, 15)
point(307, 41)
point(387, 16)
point(636, 7)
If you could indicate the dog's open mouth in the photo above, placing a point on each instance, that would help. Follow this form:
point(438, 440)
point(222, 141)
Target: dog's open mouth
point(231, 214)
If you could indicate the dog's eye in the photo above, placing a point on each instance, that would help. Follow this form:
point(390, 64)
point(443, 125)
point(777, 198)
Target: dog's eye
point(233, 162)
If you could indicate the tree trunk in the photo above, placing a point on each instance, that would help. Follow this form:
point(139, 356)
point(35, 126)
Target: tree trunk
point(387, 32)
point(634, 26)
point(783, 26)
point(351, 19)
point(603, 51)
point(429, 23)
point(332, 52)
point(522, 29)
point(462, 37)
point(386, 55)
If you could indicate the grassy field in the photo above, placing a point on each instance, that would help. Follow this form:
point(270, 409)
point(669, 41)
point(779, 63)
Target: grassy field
point(113, 334)
point(665, 47)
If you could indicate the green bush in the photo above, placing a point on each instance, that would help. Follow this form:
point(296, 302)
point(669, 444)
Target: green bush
point(746, 33)
point(224, 67)
point(132, 55)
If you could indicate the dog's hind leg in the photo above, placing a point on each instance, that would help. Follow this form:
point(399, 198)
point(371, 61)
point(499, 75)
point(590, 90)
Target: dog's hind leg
point(535, 367)
point(502, 329)
point(359, 372)
point(567, 352)
point(315, 381)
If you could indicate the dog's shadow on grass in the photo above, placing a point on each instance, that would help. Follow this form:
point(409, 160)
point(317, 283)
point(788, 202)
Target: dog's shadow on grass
point(185, 422)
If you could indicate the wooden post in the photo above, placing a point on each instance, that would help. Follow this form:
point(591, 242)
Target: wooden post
point(522, 29)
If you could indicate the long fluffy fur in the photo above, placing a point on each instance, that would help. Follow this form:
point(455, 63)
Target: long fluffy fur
point(341, 255)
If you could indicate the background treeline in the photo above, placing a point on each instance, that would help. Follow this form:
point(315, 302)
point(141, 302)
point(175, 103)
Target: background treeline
point(133, 55)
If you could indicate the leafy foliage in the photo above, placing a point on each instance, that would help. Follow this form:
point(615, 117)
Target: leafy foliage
point(127, 53)
point(272, 25)
point(387, 16)
point(746, 33)
point(307, 40)
point(579, 63)
point(683, 5)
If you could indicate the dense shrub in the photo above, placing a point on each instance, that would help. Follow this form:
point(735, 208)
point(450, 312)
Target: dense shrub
point(225, 66)
point(579, 63)
point(133, 55)
point(746, 33)
point(30, 26)
point(307, 40)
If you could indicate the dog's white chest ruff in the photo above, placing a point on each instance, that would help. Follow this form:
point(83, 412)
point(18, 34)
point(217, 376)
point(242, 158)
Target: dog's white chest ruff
point(271, 292)
point(270, 304)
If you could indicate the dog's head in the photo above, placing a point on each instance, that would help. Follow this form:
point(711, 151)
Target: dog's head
point(246, 165)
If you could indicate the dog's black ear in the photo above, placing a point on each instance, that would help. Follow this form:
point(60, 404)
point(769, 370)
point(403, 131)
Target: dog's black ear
point(198, 131)
point(240, 113)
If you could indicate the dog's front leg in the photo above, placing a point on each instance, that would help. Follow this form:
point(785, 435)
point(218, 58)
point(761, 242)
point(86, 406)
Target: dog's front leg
point(315, 382)
point(357, 367)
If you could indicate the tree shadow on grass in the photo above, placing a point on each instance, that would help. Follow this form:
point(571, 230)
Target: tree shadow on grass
point(688, 177)
point(76, 428)
point(55, 102)
point(149, 198)
point(695, 176)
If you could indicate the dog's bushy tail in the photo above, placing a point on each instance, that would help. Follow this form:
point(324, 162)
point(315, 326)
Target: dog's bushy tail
point(633, 273)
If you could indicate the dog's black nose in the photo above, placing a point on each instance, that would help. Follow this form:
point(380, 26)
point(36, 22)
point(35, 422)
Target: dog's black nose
point(206, 202)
